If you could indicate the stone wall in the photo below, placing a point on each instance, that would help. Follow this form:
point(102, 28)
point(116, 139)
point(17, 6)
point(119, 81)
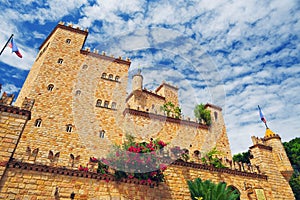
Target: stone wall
point(27, 181)
point(266, 157)
point(177, 132)
point(12, 122)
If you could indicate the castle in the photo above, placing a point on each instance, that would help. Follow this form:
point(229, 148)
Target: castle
point(73, 106)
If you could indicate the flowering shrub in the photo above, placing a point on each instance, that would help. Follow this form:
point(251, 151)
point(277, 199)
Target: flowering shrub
point(136, 160)
point(83, 168)
point(93, 159)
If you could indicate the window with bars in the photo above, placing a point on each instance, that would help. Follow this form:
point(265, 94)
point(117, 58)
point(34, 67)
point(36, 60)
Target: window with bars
point(69, 128)
point(60, 61)
point(50, 87)
point(38, 122)
point(102, 134)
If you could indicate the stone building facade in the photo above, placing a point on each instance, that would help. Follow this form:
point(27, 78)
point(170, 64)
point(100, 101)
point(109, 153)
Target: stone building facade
point(73, 106)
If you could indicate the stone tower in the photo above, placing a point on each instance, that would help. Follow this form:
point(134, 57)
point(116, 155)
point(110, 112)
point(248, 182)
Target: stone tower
point(217, 132)
point(279, 153)
point(77, 95)
point(137, 81)
point(268, 153)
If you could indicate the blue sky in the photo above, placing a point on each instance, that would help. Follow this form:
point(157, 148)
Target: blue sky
point(235, 54)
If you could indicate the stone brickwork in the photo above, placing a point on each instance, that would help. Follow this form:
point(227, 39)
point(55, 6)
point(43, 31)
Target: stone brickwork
point(269, 154)
point(178, 132)
point(25, 181)
point(168, 91)
point(79, 109)
point(12, 122)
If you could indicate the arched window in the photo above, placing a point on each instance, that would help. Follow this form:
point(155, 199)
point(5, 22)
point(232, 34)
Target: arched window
point(102, 134)
point(216, 115)
point(38, 122)
point(78, 92)
point(113, 105)
point(197, 153)
point(60, 61)
point(68, 41)
point(98, 103)
point(103, 75)
point(69, 128)
point(117, 78)
point(106, 104)
point(84, 66)
point(50, 87)
point(110, 77)
point(186, 151)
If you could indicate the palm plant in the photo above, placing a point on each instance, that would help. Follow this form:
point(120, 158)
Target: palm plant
point(208, 190)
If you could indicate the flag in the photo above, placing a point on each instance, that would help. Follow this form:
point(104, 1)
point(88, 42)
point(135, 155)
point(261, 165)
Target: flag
point(262, 117)
point(14, 48)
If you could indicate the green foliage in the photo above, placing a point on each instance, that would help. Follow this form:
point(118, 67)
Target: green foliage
point(208, 190)
point(295, 184)
point(211, 158)
point(169, 107)
point(242, 157)
point(202, 114)
point(292, 149)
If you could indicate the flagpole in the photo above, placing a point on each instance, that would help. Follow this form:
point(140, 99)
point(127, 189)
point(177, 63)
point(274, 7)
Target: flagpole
point(6, 43)
point(265, 122)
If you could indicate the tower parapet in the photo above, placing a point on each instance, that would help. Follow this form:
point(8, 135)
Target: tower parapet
point(7, 99)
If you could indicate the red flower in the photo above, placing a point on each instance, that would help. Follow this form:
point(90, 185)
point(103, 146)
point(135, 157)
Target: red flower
point(162, 167)
point(130, 176)
point(153, 174)
point(161, 143)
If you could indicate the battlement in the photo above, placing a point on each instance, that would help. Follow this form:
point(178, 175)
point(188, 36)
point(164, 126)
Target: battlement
point(159, 117)
point(7, 99)
point(69, 27)
point(103, 55)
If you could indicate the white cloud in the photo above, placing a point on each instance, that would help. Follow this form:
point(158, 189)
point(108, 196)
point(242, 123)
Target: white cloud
point(248, 51)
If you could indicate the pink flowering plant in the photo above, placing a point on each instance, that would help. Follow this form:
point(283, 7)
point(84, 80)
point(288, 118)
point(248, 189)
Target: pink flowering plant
point(144, 161)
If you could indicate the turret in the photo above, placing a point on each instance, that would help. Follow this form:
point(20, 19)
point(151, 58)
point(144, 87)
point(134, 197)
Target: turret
point(280, 157)
point(218, 130)
point(137, 81)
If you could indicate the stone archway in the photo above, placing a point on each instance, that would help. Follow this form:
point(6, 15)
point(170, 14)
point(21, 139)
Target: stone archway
point(233, 188)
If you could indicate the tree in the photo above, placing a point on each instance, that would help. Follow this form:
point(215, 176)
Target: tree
point(242, 157)
point(292, 149)
point(202, 114)
point(208, 190)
